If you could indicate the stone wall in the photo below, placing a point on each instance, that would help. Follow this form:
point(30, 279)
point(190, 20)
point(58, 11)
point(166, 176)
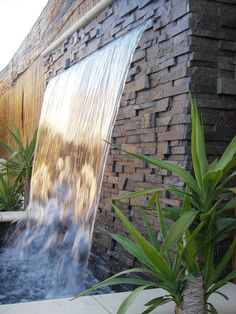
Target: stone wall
point(153, 116)
point(213, 75)
point(190, 46)
point(213, 68)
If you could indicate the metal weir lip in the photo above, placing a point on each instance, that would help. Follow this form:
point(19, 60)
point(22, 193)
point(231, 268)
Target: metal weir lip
point(83, 21)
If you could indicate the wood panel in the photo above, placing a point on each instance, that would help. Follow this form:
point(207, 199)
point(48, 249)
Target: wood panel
point(22, 81)
point(21, 104)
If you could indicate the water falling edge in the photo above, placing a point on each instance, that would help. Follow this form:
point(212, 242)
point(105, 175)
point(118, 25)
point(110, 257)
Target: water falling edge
point(50, 255)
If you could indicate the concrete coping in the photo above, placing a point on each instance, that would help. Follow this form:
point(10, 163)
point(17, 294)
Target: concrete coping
point(109, 304)
point(14, 216)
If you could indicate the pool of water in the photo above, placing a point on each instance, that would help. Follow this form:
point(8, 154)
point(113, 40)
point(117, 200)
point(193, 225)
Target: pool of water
point(29, 273)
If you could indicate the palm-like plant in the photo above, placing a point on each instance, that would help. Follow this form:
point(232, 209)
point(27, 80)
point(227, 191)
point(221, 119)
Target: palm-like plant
point(10, 197)
point(207, 202)
point(162, 265)
point(19, 164)
point(207, 193)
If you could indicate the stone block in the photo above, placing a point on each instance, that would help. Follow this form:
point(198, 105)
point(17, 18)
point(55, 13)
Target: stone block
point(164, 13)
point(131, 95)
point(139, 55)
point(146, 45)
point(134, 70)
point(133, 139)
point(167, 63)
point(118, 168)
point(163, 148)
point(153, 178)
point(102, 16)
point(226, 86)
point(180, 8)
point(151, 52)
point(163, 121)
point(227, 45)
point(227, 16)
point(147, 105)
point(93, 33)
point(147, 120)
point(124, 10)
point(116, 30)
point(181, 118)
point(143, 3)
point(132, 125)
point(130, 185)
point(162, 38)
point(129, 20)
point(165, 48)
point(178, 150)
point(142, 83)
point(158, 24)
point(147, 149)
point(172, 135)
point(160, 106)
point(121, 183)
point(150, 137)
point(182, 25)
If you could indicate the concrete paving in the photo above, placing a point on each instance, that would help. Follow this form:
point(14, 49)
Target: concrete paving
point(109, 303)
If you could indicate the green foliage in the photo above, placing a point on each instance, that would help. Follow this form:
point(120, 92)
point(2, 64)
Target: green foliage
point(10, 196)
point(162, 265)
point(19, 164)
point(16, 170)
point(204, 219)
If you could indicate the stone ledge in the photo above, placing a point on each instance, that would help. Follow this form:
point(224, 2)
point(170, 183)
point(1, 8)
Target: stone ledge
point(13, 216)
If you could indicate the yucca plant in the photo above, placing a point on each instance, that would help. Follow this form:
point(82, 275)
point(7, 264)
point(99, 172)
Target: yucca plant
point(10, 197)
point(209, 201)
point(162, 265)
point(207, 193)
point(20, 162)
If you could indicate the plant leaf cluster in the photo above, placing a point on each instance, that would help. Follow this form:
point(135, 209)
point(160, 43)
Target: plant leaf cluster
point(15, 170)
point(198, 226)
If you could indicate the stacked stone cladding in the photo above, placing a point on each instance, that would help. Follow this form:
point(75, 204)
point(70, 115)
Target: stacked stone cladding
point(189, 46)
point(213, 68)
point(153, 115)
point(213, 76)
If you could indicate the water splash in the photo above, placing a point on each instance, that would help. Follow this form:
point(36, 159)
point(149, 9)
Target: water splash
point(78, 114)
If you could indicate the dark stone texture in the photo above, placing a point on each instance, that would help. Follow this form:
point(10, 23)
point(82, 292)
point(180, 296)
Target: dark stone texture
point(6, 230)
point(226, 86)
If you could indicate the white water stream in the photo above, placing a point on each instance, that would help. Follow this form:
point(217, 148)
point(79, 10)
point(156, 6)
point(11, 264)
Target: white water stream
point(78, 114)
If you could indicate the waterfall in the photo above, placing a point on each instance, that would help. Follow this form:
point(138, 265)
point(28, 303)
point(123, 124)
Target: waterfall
point(78, 114)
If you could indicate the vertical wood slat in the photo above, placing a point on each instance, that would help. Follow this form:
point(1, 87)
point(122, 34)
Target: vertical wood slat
point(22, 81)
point(20, 105)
